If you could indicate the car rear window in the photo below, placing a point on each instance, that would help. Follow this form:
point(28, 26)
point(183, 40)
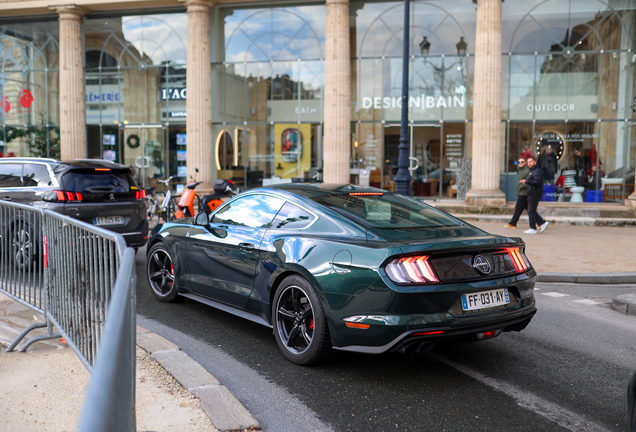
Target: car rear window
point(389, 211)
point(90, 180)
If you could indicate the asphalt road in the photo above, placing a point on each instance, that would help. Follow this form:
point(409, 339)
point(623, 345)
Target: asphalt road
point(567, 371)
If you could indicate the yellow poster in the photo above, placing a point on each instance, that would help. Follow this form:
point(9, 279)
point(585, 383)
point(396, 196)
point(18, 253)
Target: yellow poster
point(292, 149)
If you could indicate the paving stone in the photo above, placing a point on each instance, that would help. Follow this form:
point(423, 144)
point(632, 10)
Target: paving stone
point(184, 369)
point(223, 409)
point(152, 342)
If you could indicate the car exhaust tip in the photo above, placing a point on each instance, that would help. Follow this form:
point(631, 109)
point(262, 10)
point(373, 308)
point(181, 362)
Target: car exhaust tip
point(416, 347)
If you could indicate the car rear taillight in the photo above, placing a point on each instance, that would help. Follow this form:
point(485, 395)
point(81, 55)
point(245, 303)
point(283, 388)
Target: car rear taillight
point(62, 196)
point(411, 270)
point(140, 194)
point(518, 258)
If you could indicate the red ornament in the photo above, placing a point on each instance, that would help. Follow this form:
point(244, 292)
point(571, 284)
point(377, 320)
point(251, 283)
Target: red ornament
point(26, 98)
point(5, 105)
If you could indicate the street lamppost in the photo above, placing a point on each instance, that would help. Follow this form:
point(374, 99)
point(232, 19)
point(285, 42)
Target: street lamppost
point(403, 177)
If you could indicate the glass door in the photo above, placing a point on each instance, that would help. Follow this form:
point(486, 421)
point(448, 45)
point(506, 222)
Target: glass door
point(143, 148)
point(426, 152)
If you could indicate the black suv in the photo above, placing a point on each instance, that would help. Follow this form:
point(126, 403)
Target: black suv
point(98, 192)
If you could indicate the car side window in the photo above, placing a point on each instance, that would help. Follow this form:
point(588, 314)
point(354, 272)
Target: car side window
point(254, 211)
point(10, 174)
point(35, 175)
point(292, 217)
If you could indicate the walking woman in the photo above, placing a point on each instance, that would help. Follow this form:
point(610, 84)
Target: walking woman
point(522, 193)
point(534, 181)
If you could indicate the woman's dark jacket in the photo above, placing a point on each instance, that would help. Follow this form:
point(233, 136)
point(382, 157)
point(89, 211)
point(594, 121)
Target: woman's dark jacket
point(535, 181)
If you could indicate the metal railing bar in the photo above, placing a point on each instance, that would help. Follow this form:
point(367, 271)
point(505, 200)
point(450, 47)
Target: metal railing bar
point(100, 404)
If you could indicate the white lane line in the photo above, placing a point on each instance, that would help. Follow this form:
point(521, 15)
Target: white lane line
point(554, 294)
point(587, 302)
point(560, 415)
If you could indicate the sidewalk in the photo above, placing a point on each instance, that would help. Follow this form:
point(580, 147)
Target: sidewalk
point(44, 388)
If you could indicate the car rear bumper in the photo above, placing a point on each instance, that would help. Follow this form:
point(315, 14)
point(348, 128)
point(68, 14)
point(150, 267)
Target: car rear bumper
point(379, 319)
point(512, 322)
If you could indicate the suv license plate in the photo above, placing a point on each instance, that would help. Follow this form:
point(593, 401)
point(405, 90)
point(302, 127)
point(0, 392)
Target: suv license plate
point(108, 220)
point(485, 299)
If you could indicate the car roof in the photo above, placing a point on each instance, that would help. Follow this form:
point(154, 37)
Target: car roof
point(313, 190)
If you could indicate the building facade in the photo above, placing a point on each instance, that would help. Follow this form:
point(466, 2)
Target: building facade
point(263, 92)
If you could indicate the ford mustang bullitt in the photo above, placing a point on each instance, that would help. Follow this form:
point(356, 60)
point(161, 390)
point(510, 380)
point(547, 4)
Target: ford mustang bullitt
point(345, 267)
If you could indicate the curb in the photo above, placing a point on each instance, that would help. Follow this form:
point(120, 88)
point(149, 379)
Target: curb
point(625, 303)
point(557, 220)
point(225, 412)
point(588, 278)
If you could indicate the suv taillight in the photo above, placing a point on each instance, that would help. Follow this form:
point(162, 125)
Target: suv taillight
point(413, 270)
point(62, 196)
point(140, 194)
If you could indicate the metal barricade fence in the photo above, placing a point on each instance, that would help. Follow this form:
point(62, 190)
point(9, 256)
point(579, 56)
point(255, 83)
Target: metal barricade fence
point(21, 260)
point(83, 261)
point(81, 279)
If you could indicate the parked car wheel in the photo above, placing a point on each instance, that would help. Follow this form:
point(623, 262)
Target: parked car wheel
point(160, 273)
point(23, 245)
point(300, 326)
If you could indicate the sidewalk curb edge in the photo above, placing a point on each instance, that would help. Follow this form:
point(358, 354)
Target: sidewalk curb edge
point(226, 413)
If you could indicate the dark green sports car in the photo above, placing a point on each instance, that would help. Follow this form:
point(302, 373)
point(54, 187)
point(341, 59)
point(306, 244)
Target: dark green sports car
point(344, 267)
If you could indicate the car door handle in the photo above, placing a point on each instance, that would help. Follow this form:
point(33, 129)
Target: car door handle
point(247, 247)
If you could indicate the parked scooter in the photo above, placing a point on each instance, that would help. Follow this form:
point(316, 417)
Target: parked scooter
point(223, 191)
point(186, 202)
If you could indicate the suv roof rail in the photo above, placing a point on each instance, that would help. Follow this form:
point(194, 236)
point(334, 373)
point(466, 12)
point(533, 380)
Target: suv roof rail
point(23, 158)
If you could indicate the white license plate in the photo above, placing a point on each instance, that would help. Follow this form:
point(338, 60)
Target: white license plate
point(108, 220)
point(485, 299)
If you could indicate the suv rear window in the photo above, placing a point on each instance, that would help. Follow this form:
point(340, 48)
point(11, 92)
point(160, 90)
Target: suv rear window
point(89, 180)
point(389, 211)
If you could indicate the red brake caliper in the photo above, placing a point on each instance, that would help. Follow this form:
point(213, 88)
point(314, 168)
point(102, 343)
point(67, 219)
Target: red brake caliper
point(311, 326)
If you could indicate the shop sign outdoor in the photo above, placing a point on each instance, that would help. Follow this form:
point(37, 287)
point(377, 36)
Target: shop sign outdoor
point(173, 93)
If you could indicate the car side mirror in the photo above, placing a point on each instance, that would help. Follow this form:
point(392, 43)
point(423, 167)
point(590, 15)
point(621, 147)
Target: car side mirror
point(631, 403)
point(202, 219)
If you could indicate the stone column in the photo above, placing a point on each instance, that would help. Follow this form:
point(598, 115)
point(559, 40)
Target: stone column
point(200, 144)
point(72, 110)
point(337, 104)
point(487, 108)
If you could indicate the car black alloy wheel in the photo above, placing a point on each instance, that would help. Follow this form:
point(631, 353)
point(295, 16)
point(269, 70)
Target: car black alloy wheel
point(300, 327)
point(160, 272)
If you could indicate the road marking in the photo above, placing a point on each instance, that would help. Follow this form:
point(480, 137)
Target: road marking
point(548, 409)
point(587, 302)
point(554, 294)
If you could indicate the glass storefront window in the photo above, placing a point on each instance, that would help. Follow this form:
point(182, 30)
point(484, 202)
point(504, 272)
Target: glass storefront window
point(135, 86)
point(29, 106)
point(555, 25)
point(34, 141)
point(274, 34)
point(379, 27)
